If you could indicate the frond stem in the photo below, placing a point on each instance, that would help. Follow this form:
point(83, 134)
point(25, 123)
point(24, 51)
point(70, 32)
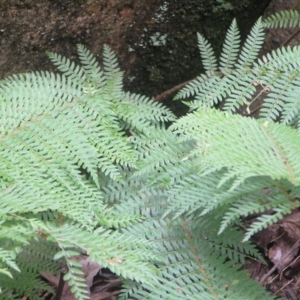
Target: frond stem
point(60, 287)
point(197, 259)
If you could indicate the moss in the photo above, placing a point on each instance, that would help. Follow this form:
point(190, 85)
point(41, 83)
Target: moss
point(155, 74)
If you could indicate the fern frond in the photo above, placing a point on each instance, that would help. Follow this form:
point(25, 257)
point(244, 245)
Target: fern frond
point(110, 62)
point(75, 277)
point(208, 91)
point(233, 85)
point(8, 259)
point(91, 67)
point(286, 18)
point(209, 60)
point(155, 157)
point(192, 260)
point(67, 67)
point(114, 85)
point(61, 136)
point(266, 220)
point(6, 272)
point(252, 46)
point(259, 202)
point(291, 106)
point(263, 153)
point(241, 90)
point(230, 49)
point(31, 260)
point(133, 255)
point(192, 87)
point(27, 96)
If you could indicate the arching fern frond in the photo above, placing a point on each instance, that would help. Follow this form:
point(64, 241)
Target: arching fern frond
point(286, 18)
point(264, 220)
point(59, 135)
point(265, 151)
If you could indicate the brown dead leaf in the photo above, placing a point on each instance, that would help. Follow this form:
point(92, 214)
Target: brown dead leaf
point(281, 253)
point(90, 269)
point(291, 224)
point(278, 240)
point(266, 236)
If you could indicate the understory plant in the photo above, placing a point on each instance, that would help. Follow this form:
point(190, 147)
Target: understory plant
point(88, 169)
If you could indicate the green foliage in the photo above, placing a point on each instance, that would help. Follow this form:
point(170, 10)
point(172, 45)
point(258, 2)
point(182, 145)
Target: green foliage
point(61, 133)
point(286, 18)
point(88, 169)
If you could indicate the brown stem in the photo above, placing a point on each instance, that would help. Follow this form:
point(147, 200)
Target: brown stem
point(60, 287)
point(161, 97)
point(290, 38)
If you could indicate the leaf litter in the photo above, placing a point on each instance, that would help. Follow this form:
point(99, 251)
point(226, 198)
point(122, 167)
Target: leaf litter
point(280, 243)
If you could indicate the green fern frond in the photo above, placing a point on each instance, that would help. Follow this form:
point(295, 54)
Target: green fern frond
point(68, 68)
point(61, 135)
point(75, 276)
point(286, 18)
point(278, 75)
point(192, 87)
point(110, 62)
point(252, 46)
point(259, 202)
point(126, 260)
point(230, 49)
point(208, 91)
point(91, 67)
point(209, 60)
point(241, 90)
point(32, 259)
point(291, 108)
point(8, 259)
point(186, 274)
point(194, 264)
point(114, 85)
point(235, 80)
point(5, 271)
point(264, 154)
point(155, 159)
point(266, 220)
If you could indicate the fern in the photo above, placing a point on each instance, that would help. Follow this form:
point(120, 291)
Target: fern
point(215, 169)
point(208, 58)
point(230, 48)
point(252, 46)
point(286, 18)
point(60, 133)
point(89, 169)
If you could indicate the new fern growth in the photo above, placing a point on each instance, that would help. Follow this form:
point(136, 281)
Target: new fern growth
point(88, 169)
